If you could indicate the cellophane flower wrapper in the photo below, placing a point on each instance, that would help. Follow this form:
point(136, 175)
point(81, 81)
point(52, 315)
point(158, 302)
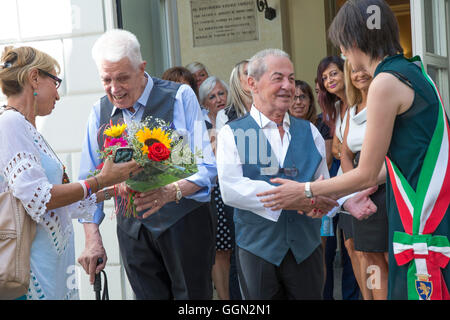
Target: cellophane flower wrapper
point(142, 137)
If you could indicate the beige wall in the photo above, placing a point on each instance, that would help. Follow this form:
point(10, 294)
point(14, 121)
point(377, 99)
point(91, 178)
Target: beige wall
point(299, 29)
point(307, 36)
point(220, 59)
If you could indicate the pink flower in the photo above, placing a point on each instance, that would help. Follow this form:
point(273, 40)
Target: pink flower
point(117, 142)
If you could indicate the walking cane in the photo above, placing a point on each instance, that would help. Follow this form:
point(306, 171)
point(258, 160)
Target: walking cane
point(98, 284)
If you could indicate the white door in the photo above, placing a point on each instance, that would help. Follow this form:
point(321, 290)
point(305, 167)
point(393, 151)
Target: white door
point(431, 35)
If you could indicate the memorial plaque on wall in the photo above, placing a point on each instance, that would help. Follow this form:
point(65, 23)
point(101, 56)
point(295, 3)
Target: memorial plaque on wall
point(223, 21)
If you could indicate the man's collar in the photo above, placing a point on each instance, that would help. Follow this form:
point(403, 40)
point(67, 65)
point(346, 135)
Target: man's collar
point(263, 121)
point(143, 99)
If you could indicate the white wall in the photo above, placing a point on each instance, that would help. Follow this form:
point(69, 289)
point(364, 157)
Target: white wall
point(67, 30)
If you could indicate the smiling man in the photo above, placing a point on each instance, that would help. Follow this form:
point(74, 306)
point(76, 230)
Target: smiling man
point(279, 252)
point(168, 252)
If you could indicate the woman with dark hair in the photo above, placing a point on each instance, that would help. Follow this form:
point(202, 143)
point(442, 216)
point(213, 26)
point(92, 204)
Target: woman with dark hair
point(181, 75)
point(333, 102)
point(330, 79)
point(304, 102)
point(407, 127)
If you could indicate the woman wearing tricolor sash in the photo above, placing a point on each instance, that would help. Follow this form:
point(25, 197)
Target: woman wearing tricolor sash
point(406, 145)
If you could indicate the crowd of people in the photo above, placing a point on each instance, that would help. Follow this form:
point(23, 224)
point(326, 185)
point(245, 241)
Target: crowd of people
point(280, 183)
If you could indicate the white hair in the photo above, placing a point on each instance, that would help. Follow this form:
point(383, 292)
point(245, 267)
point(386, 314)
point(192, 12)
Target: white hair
point(257, 65)
point(116, 44)
point(208, 85)
point(193, 67)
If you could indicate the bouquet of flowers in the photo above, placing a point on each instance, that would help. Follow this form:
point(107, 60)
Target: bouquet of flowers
point(158, 148)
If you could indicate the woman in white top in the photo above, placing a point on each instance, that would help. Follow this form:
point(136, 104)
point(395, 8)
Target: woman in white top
point(370, 235)
point(34, 174)
point(333, 102)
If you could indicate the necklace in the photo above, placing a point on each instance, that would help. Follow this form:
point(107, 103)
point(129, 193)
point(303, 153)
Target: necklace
point(65, 178)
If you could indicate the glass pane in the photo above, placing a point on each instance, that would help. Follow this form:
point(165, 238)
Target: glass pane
point(146, 19)
point(433, 72)
point(9, 29)
point(435, 27)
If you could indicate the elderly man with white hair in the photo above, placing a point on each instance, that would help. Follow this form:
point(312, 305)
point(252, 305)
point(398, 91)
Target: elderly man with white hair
point(279, 252)
point(169, 252)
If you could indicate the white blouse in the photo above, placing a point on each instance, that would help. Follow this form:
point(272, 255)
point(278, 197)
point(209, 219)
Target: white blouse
point(30, 168)
point(340, 124)
point(356, 129)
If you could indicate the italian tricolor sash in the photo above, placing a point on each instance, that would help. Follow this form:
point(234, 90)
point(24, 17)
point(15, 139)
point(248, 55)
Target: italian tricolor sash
point(421, 212)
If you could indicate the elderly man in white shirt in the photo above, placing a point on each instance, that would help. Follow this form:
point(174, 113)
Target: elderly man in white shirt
point(278, 251)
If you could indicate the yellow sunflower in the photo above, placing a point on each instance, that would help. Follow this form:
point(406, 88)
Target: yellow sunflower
point(148, 137)
point(115, 131)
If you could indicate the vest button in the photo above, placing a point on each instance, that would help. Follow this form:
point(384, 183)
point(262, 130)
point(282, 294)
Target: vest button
point(291, 220)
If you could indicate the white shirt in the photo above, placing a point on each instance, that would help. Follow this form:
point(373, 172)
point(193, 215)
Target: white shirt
point(356, 129)
point(221, 119)
point(239, 191)
point(340, 123)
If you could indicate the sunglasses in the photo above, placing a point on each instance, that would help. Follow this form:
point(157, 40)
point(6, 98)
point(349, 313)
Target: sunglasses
point(57, 80)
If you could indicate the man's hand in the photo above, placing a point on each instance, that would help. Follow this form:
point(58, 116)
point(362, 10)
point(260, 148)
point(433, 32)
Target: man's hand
point(360, 206)
point(289, 195)
point(154, 199)
point(93, 250)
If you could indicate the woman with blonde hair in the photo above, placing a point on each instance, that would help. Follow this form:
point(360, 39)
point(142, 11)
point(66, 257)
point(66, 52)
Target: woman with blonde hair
point(240, 95)
point(370, 235)
point(32, 171)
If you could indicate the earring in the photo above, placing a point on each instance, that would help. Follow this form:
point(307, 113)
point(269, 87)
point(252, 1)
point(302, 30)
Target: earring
point(35, 104)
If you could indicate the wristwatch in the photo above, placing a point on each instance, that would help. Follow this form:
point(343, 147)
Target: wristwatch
point(308, 192)
point(107, 195)
point(178, 194)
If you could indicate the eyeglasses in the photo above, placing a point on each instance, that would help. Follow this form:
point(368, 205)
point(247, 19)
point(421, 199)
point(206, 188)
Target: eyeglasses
point(57, 80)
point(301, 97)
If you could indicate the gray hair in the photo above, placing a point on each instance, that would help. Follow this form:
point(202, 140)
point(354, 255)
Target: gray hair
point(208, 85)
point(257, 65)
point(193, 67)
point(116, 44)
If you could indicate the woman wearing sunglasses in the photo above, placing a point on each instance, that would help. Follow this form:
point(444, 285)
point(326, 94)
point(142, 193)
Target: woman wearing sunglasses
point(32, 171)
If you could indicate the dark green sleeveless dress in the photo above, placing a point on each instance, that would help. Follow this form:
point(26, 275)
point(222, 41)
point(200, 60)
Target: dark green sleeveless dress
point(410, 139)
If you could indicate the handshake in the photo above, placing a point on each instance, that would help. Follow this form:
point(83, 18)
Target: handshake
point(289, 195)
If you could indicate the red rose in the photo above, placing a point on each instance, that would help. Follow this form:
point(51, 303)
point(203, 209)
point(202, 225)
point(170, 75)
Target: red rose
point(158, 152)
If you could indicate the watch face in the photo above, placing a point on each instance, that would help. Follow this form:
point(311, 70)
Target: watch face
point(179, 195)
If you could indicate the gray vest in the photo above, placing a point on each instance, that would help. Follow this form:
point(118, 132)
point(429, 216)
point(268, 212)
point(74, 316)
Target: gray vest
point(262, 237)
point(159, 105)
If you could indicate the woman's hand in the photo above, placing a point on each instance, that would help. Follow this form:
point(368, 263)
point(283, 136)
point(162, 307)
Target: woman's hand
point(114, 173)
point(290, 195)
